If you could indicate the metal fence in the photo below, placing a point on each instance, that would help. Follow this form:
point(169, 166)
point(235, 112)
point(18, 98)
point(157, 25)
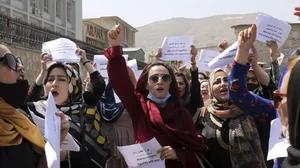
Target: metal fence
point(19, 33)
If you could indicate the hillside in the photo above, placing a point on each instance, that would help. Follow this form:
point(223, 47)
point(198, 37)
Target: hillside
point(206, 32)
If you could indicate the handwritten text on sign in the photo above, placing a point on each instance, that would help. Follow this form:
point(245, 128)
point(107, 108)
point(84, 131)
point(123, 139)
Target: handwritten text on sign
point(143, 155)
point(269, 28)
point(176, 48)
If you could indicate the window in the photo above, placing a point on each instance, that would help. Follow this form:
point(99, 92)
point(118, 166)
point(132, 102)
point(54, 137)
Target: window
point(58, 7)
point(46, 6)
point(69, 12)
point(33, 3)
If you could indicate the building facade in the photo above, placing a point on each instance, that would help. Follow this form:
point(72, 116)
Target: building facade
point(55, 15)
point(128, 36)
point(94, 34)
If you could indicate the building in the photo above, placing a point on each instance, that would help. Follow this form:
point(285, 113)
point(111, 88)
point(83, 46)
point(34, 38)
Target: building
point(94, 34)
point(135, 53)
point(56, 15)
point(110, 21)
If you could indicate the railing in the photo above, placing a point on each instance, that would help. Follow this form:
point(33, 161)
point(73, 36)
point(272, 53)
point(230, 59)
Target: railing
point(16, 32)
point(19, 33)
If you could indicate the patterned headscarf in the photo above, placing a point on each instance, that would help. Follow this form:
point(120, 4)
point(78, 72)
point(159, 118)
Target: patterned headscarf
point(244, 143)
point(82, 117)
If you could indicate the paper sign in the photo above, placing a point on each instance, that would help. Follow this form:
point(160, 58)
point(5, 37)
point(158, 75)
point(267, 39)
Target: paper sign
point(280, 59)
point(52, 134)
point(101, 64)
point(68, 144)
point(143, 155)
point(277, 144)
point(176, 48)
point(205, 57)
point(133, 65)
point(61, 50)
point(225, 58)
point(269, 28)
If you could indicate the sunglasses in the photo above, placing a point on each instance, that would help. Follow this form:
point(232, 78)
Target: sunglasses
point(11, 61)
point(277, 97)
point(165, 78)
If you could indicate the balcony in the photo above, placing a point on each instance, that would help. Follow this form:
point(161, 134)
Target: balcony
point(17, 32)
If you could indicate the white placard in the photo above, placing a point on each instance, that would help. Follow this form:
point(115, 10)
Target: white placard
point(143, 155)
point(277, 144)
point(101, 64)
point(269, 28)
point(205, 57)
point(68, 144)
point(52, 134)
point(280, 59)
point(225, 58)
point(61, 50)
point(176, 48)
point(133, 65)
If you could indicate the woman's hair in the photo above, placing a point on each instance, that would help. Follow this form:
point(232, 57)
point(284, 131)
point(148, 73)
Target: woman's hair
point(187, 90)
point(205, 77)
point(142, 81)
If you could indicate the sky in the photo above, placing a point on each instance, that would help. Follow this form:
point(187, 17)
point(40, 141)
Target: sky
point(142, 12)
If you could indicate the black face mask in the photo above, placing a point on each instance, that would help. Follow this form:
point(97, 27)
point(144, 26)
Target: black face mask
point(251, 87)
point(14, 94)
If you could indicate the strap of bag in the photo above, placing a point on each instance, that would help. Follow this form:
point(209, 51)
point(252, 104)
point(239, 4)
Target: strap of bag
point(201, 159)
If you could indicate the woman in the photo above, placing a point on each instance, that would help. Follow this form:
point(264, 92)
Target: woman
point(230, 129)
point(286, 101)
point(205, 91)
point(18, 135)
point(117, 124)
point(66, 86)
point(155, 107)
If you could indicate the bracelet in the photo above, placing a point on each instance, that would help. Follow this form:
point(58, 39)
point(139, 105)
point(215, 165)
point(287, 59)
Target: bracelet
point(193, 63)
point(88, 61)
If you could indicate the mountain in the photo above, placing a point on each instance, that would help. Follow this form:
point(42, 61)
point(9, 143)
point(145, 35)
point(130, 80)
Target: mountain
point(206, 32)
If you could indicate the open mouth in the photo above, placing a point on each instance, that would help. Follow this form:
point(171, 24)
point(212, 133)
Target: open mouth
point(224, 91)
point(160, 89)
point(54, 93)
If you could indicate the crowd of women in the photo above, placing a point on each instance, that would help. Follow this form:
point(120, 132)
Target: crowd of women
point(219, 119)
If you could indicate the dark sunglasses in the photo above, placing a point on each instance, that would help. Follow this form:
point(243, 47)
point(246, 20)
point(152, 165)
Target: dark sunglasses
point(11, 61)
point(165, 78)
point(277, 97)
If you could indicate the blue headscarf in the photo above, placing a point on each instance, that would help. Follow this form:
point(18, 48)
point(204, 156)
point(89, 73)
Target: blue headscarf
point(108, 108)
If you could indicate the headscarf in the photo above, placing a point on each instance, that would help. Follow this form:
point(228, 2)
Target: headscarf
point(244, 143)
point(293, 104)
point(85, 121)
point(14, 126)
point(108, 108)
point(171, 121)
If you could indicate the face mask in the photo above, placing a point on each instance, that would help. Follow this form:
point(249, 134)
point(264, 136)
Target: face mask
point(251, 87)
point(14, 94)
point(156, 100)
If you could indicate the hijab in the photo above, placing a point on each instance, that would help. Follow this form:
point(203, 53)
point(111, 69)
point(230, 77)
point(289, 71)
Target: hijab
point(85, 122)
point(244, 143)
point(293, 100)
point(174, 113)
point(108, 108)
